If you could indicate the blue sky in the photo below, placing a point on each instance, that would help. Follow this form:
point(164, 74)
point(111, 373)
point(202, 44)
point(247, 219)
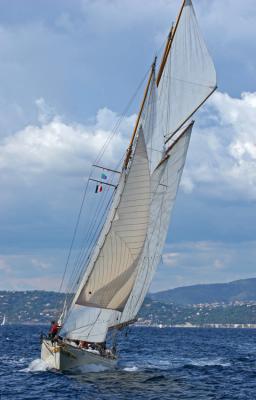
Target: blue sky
point(67, 71)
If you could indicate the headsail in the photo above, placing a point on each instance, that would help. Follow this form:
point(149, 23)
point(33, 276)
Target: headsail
point(188, 77)
point(111, 279)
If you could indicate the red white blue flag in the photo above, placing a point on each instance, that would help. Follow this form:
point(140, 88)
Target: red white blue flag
point(98, 188)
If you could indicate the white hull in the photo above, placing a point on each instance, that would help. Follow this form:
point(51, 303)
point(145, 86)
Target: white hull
point(65, 357)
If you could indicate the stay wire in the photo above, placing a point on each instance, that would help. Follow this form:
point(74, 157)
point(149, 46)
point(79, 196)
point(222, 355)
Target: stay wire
point(74, 235)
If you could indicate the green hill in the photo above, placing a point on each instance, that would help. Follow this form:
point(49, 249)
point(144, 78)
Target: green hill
point(231, 303)
point(242, 290)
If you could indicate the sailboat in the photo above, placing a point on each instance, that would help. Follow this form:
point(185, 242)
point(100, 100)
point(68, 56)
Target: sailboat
point(117, 274)
point(3, 321)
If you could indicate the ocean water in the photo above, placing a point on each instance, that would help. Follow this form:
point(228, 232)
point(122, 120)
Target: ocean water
point(154, 364)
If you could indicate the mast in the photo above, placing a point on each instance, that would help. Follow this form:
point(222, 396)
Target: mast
point(169, 44)
point(129, 150)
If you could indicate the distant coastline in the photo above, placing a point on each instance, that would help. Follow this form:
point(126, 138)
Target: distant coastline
point(160, 326)
point(231, 305)
point(205, 326)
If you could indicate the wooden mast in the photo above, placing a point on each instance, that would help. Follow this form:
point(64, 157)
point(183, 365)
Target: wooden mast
point(164, 57)
point(129, 150)
point(169, 44)
point(159, 75)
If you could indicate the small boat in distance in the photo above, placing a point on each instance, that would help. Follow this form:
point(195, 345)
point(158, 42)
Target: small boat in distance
point(112, 274)
point(3, 321)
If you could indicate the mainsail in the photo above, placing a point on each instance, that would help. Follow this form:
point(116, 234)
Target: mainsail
point(129, 248)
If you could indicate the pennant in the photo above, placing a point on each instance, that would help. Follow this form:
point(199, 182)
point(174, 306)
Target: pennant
point(98, 188)
point(103, 176)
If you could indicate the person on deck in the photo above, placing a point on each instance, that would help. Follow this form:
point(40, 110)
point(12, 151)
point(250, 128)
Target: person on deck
point(53, 330)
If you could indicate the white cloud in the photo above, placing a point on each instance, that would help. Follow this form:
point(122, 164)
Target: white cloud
point(189, 263)
point(27, 271)
point(222, 156)
point(59, 147)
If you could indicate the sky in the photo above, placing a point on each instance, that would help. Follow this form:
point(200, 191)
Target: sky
point(67, 72)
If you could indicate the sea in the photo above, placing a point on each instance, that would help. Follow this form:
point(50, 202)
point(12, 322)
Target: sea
point(154, 364)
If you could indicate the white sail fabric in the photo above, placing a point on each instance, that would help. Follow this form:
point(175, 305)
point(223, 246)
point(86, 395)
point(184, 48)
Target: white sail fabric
point(90, 324)
point(154, 141)
point(189, 75)
point(164, 183)
point(112, 276)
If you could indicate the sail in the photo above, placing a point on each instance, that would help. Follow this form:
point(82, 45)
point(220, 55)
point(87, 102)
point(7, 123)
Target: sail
point(112, 276)
point(89, 323)
point(189, 75)
point(154, 141)
point(164, 183)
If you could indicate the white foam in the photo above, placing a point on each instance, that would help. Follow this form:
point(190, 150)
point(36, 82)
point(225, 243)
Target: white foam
point(36, 366)
point(209, 363)
point(131, 369)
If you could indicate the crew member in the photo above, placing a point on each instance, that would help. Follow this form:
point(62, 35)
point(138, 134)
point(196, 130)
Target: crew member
point(53, 330)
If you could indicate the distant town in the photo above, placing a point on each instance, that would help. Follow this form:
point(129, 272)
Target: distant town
point(159, 309)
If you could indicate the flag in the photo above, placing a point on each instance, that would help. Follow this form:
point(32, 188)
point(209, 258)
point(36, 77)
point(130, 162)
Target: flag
point(98, 189)
point(103, 176)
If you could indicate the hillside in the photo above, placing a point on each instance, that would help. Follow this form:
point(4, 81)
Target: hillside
point(241, 290)
point(40, 307)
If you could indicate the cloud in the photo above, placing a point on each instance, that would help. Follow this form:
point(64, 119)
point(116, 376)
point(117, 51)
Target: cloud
point(29, 271)
point(222, 156)
point(83, 56)
point(189, 263)
point(44, 166)
point(61, 148)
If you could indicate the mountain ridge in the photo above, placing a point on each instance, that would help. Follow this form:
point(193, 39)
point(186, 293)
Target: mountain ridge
point(238, 290)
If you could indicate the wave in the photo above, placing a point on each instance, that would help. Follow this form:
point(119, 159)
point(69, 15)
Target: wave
point(37, 365)
point(131, 369)
point(205, 362)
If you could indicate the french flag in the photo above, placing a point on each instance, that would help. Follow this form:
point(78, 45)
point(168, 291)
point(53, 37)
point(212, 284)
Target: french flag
point(98, 189)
